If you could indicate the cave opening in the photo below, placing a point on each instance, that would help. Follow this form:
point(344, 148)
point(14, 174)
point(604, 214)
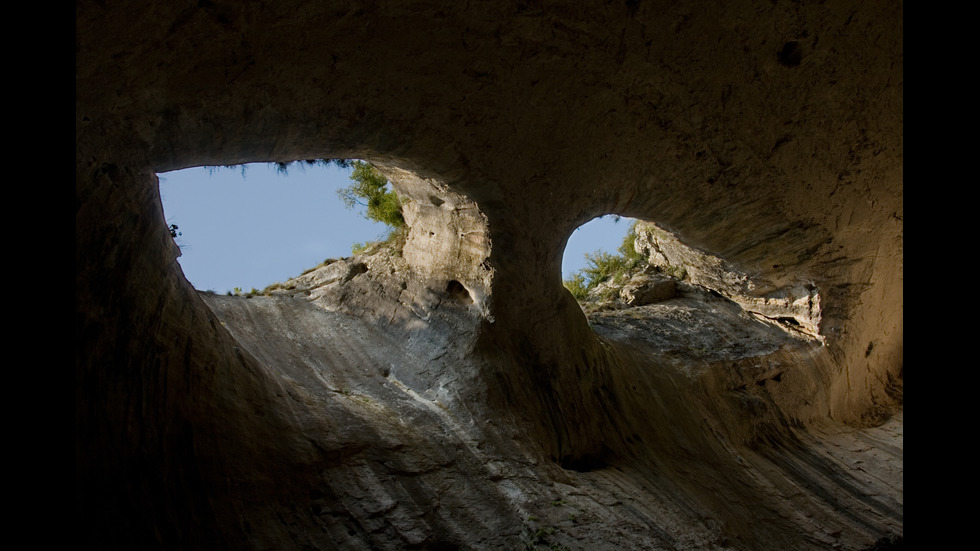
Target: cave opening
point(649, 265)
point(601, 234)
point(253, 225)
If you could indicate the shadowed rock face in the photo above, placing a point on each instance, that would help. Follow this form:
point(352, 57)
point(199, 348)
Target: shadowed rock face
point(455, 396)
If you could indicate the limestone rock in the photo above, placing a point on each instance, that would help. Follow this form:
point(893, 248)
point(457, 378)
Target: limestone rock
point(646, 289)
point(454, 395)
point(795, 305)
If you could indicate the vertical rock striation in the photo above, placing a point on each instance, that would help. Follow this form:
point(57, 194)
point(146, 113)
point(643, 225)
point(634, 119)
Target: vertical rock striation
point(453, 395)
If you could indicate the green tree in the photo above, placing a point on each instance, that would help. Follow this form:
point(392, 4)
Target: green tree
point(283, 168)
point(370, 189)
point(578, 286)
point(627, 249)
point(602, 266)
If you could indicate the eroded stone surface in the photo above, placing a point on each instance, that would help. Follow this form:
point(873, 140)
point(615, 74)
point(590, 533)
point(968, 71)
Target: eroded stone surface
point(385, 411)
point(646, 289)
point(797, 303)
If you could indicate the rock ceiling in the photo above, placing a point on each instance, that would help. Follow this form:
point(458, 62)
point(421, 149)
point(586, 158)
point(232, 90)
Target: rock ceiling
point(456, 396)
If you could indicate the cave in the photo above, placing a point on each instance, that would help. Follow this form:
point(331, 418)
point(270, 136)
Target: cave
point(450, 393)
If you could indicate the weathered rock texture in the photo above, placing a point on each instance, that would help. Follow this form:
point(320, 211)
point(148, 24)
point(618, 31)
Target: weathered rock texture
point(456, 396)
point(796, 303)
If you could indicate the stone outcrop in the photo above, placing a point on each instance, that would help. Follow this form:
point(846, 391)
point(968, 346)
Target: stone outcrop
point(794, 303)
point(454, 395)
point(644, 289)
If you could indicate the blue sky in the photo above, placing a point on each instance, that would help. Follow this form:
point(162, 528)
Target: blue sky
point(267, 227)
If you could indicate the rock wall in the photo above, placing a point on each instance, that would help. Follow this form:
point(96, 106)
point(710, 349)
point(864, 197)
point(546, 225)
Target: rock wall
point(796, 304)
point(456, 396)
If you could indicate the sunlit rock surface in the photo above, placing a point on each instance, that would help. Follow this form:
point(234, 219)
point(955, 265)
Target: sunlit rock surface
point(796, 303)
point(453, 395)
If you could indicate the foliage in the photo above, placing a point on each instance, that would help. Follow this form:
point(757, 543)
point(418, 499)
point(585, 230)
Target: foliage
point(214, 168)
point(578, 286)
point(370, 189)
point(539, 536)
point(602, 267)
point(534, 538)
point(283, 168)
point(628, 247)
point(320, 265)
point(237, 291)
point(276, 287)
point(676, 272)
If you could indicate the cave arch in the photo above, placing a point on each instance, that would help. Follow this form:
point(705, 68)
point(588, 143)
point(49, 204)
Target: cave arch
point(790, 166)
point(257, 225)
point(600, 233)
